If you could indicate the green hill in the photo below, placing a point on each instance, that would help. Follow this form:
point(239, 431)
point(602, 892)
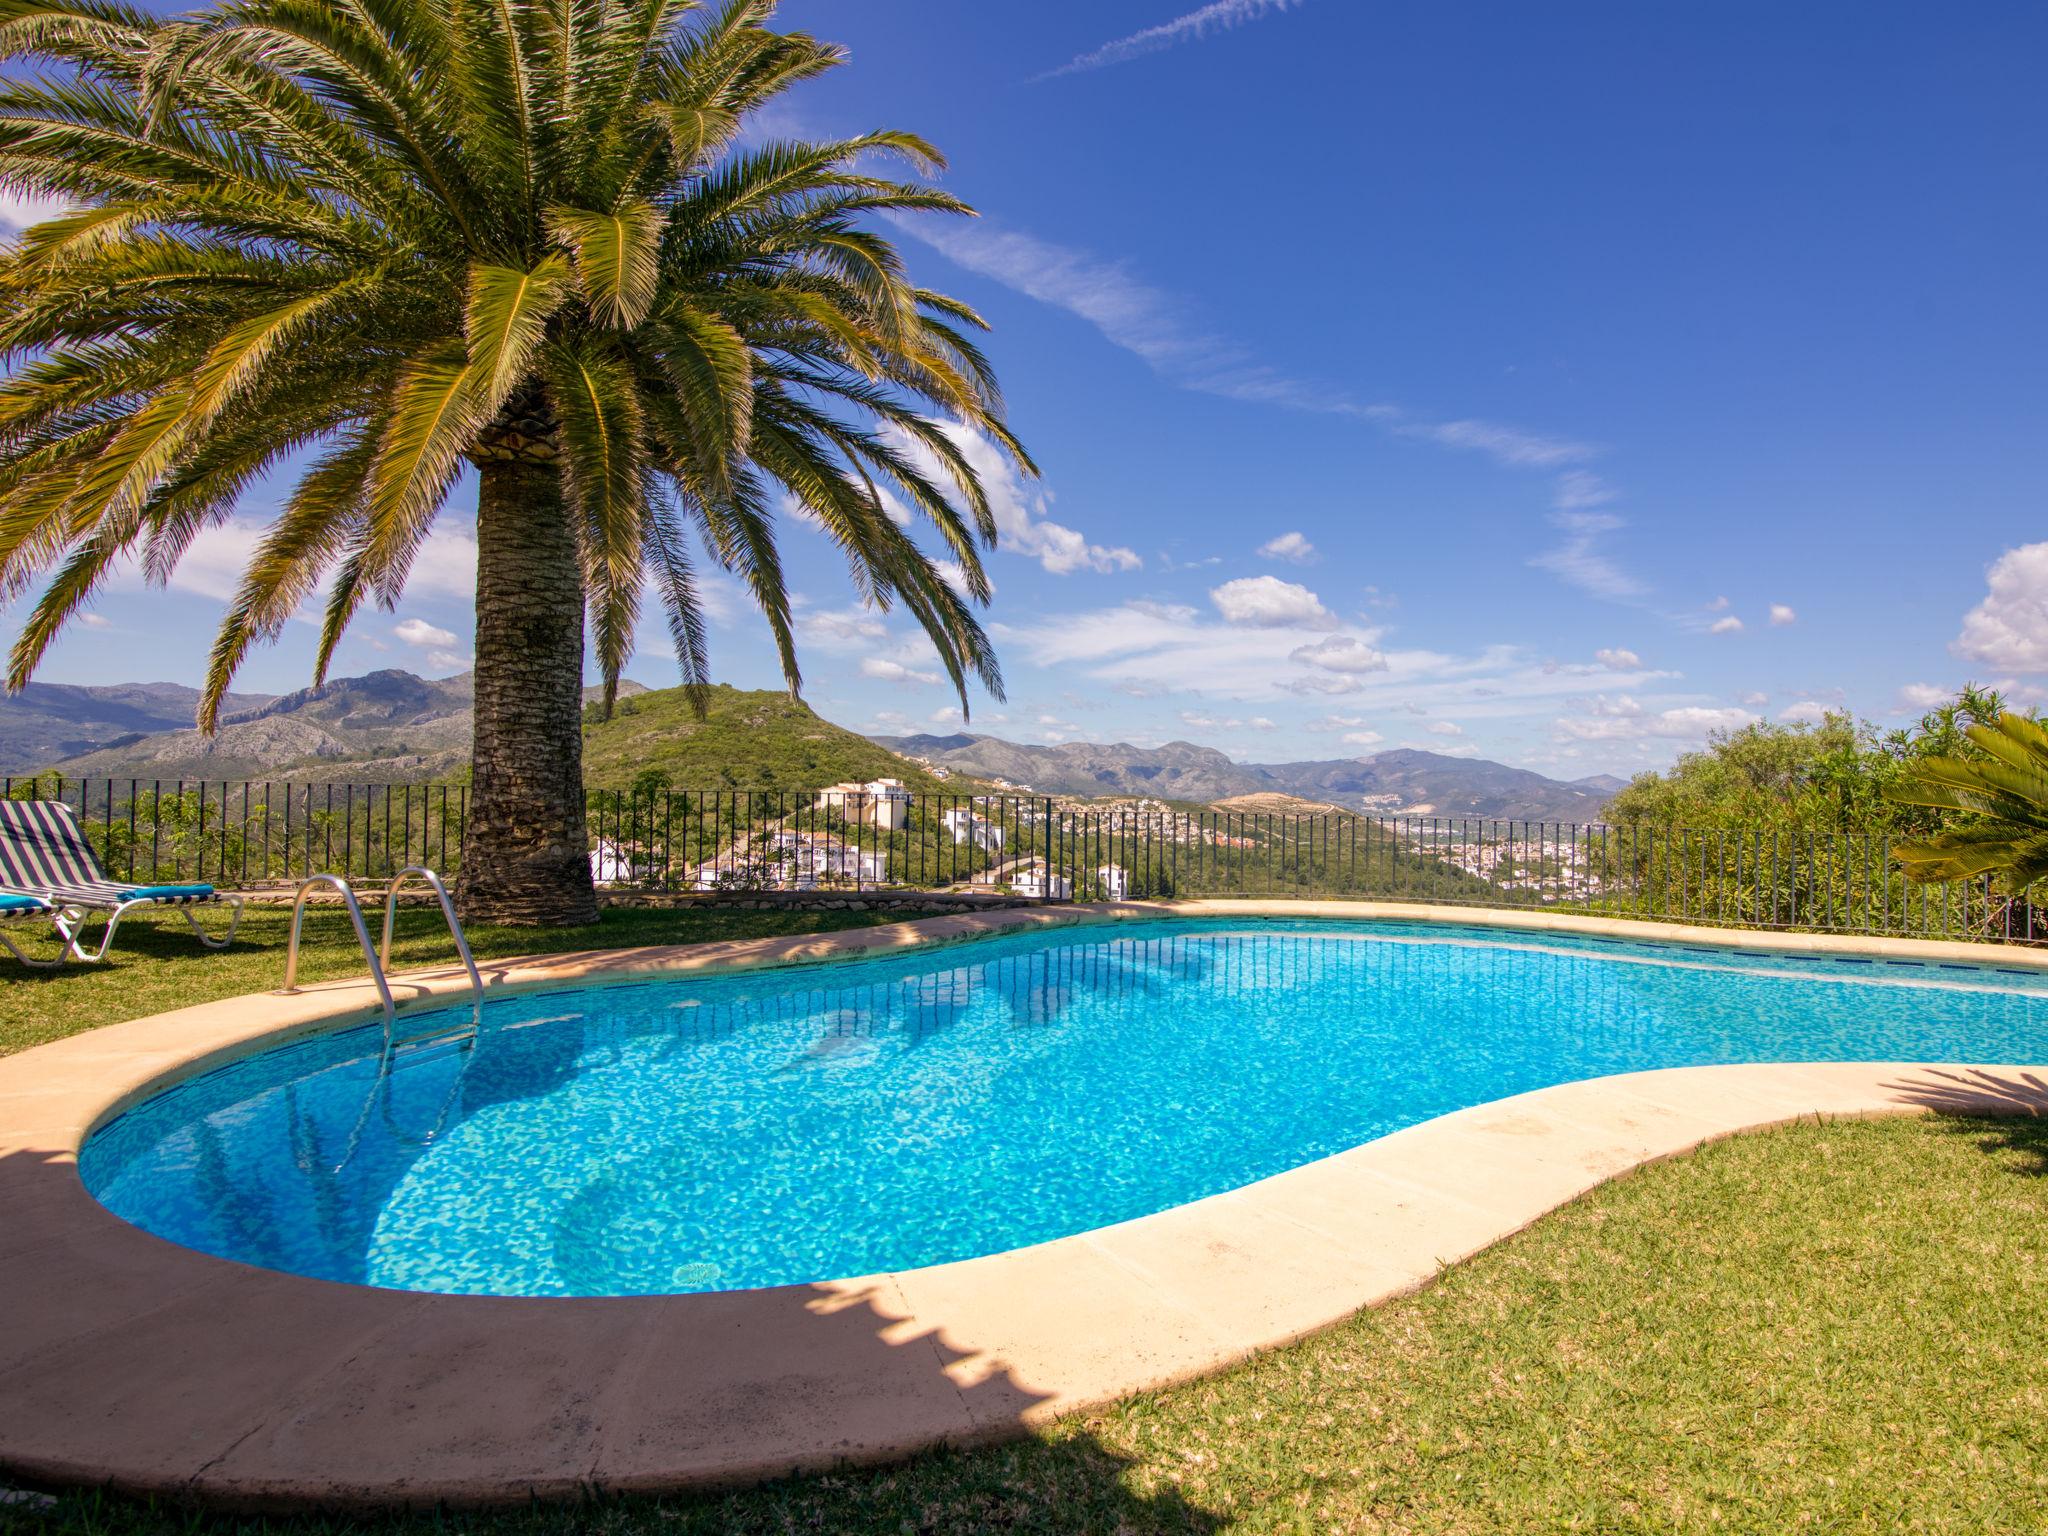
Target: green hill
point(747, 740)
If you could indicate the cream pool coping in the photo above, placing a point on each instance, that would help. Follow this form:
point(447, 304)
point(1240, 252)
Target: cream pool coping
point(131, 1362)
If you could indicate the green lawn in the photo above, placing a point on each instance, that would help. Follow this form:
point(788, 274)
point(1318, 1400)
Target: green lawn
point(1829, 1328)
point(156, 964)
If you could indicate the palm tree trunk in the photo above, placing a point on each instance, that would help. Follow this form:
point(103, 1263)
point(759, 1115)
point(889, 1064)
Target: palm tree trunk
point(525, 859)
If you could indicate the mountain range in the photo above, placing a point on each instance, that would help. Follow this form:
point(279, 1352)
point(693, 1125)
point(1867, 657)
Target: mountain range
point(48, 722)
point(385, 727)
point(393, 727)
point(1418, 783)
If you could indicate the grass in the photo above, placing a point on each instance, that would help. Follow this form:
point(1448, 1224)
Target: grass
point(1828, 1327)
point(758, 739)
point(156, 964)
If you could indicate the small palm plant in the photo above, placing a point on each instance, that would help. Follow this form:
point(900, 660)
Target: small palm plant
point(2003, 795)
point(365, 242)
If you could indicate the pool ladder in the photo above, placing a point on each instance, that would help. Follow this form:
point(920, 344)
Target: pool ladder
point(379, 958)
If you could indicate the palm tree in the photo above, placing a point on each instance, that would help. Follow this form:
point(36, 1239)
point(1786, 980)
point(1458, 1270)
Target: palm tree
point(368, 241)
point(2005, 796)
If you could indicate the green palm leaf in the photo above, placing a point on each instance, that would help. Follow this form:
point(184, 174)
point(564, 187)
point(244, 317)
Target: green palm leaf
point(2004, 798)
point(616, 258)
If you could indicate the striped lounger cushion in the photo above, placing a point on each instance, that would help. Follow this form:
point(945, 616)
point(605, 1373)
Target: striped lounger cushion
point(22, 906)
point(43, 851)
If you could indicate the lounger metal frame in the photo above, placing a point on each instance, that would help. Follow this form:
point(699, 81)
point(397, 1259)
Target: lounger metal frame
point(14, 949)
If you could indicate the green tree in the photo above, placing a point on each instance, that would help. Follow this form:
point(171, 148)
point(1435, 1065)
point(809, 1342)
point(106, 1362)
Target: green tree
point(371, 241)
point(651, 783)
point(1834, 774)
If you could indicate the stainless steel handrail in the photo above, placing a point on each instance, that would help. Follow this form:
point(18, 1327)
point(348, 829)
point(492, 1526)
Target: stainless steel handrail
point(355, 916)
point(476, 982)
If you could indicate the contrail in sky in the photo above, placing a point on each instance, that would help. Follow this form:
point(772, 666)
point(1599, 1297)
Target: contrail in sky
point(1219, 16)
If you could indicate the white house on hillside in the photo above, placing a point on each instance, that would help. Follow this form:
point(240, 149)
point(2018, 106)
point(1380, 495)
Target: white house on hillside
point(882, 803)
point(966, 826)
point(804, 858)
point(1116, 884)
point(1037, 882)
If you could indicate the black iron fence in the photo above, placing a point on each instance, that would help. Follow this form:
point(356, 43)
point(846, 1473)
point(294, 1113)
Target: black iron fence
point(881, 837)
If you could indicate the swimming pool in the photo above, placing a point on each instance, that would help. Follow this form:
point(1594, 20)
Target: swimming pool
point(882, 1114)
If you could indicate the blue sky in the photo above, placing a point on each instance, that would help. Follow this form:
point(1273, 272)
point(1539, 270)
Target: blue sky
point(1549, 383)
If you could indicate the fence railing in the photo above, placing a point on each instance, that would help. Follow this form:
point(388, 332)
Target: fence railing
point(250, 834)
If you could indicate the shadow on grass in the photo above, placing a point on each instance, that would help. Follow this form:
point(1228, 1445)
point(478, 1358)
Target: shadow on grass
point(1072, 1485)
point(2002, 1111)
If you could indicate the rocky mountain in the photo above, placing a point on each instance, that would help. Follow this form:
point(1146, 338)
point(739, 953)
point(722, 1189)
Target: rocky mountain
point(47, 722)
point(385, 727)
point(1417, 783)
point(1180, 770)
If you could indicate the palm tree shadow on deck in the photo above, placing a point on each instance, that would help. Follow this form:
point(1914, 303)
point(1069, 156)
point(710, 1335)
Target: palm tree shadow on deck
point(2005, 1111)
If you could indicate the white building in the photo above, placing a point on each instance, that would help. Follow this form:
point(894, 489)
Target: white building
point(1041, 885)
point(611, 865)
point(1116, 884)
point(882, 803)
point(966, 826)
point(802, 859)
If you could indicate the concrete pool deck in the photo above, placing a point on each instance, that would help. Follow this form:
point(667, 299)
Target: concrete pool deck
point(131, 1362)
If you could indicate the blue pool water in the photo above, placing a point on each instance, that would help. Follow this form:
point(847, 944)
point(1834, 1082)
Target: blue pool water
point(824, 1121)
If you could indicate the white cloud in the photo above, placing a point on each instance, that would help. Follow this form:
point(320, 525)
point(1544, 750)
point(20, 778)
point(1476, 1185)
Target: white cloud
point(1330, 687)
point(2010, 627)
point(1341, 653)
point(949, 715)
point(1267, 602)
point(1805, 712)
point(1020, 511)
point(1626, 719)
point(1291, 547)
point(1781, 615)
point(446, 563)
point(212, 565)
point(1728, 626)
point(1616, 659)
point(1446, 728)
point(1261, 723)
point(19, 210)
point(840, 624)
point(1754, 700)
point(1718, 605)
point(1924, 696)
point(419, 632)
point(1151, 650)
point(1193, 27)
point(1506, 445)
point(1363, 738)
point(1579, 561)
point(894, 671)
point(1578, 491)
point(95, 621)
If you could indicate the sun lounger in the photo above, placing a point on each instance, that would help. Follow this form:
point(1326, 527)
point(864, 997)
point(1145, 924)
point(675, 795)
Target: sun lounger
point(43, 854)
